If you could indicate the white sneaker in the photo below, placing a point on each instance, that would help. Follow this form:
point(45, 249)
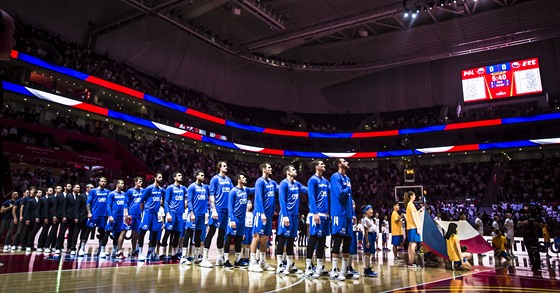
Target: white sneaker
point(141, 257)
point(73, 252)
point(6, 247)
point(81, 252)
point(280, 270)
point(28, 249)
point(102, 254)
point(220, 261)
point(255, 267)
point(311, 274)
point(335, 275)
point(205, 263)
point(39, 250)
point(265, 266)
point(58, 251)
point(47, 250)
point(13, 248)
point(183, 261)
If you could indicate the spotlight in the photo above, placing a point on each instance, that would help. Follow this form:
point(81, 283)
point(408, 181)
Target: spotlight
point(414, 14)
point(406, 13)
point(431, 5)
point(418, 9)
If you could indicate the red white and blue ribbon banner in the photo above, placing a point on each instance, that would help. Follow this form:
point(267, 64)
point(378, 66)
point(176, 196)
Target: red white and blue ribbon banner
point(50, 97)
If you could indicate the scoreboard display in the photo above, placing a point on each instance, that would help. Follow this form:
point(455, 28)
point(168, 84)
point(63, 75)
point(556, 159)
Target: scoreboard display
point(510, 79)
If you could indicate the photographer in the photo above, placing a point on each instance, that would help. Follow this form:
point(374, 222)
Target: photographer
point(531, 229)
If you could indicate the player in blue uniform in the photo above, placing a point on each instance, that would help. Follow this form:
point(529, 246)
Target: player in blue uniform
point(133, 215)
point(341, 213)
point(97, 213)
point(237, 209)
point(151, 198)
point(288, 197)
point(174, 207)
point(197, 203)
point(318, 218)
point(115, 210)
point(220, 186)
point(265, 193)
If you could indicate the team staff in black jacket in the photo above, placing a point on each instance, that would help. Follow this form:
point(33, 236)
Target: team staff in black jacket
point(53, 212)
point(68, 217)
point(31, 216)
point(38, 224)
point(81, 220)
point(59, 214)
point(46, 221)
point(27, 216)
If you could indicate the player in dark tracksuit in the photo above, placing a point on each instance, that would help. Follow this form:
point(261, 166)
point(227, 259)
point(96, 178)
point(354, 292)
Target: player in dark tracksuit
point(16, 241)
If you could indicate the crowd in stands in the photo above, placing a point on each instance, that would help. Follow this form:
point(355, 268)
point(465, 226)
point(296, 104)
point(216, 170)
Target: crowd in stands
point(531, 180)
point(58, 49)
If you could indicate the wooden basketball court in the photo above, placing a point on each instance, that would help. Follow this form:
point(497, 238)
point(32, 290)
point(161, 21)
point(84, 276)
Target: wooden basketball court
point(38, 272)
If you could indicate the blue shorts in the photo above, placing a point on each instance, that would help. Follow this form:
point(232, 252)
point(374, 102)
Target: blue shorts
point(203, 235)
point(260, 228)
point(371, 248)
point(197, 224)
point(176, 223)
point(116, 226)
point(319, 230)
point(354, 243)
point(413, 235)
point(342, 226)
point(374, 242)
point(288, 231)
point(184, 225)
point(239, 227)
point(248, 236)
point(134, 225)
point(221, 222)
point(99, 222)
point(397, 240)
point(150, 222)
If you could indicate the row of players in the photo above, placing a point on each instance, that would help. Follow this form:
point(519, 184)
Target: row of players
point(330, 205)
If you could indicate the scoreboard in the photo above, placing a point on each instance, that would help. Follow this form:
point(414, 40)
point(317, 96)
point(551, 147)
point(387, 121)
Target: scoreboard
point(509, 79)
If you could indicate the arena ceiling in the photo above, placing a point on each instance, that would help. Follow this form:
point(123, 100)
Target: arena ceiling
point(349, 37)
point(363, 34)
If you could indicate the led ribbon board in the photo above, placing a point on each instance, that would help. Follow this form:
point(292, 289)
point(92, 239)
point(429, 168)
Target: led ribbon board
point(50, 97)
